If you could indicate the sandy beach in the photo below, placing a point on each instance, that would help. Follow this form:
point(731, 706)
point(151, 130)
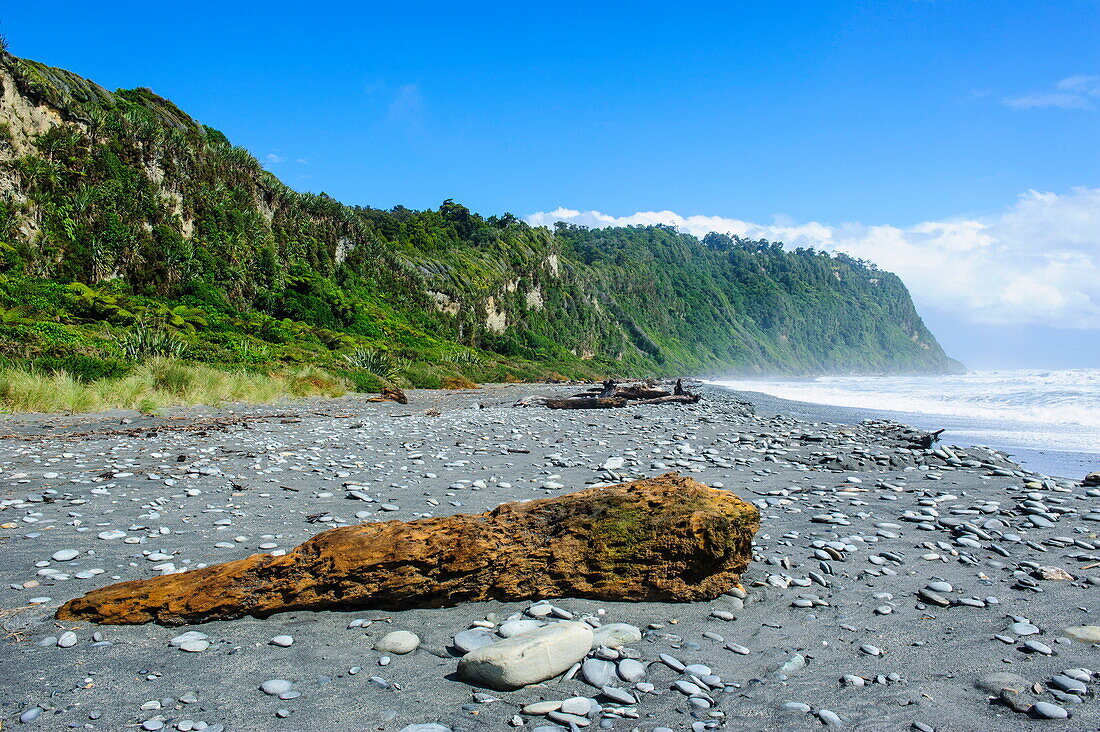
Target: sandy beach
point(888, 589)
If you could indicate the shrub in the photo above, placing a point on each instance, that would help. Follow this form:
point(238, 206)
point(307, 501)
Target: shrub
point(462, 357)
point(147, 341)
point(364, 381)
point(380, 363)
point(84, 368)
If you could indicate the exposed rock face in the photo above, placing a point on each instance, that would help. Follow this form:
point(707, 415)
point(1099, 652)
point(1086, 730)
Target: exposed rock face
point(667, 539)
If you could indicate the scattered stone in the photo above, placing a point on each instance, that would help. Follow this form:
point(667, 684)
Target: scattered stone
point(399, 642)
point(527, 658)
point(1084, 633)
point(276, 687)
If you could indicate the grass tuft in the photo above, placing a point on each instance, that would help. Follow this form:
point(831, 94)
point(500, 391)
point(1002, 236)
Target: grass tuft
point(156, 383)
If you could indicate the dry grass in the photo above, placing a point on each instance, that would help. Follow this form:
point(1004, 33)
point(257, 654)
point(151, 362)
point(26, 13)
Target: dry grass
point(159, 383)
point(457, 382)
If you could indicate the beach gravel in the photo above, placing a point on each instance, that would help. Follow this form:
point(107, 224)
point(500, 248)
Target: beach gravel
point(892, 586)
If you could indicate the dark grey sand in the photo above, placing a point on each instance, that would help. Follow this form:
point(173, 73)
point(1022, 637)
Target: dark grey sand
point(168, 485)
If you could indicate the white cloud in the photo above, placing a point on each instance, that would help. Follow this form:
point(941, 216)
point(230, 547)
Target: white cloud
point(1035, 263)
point(1073, 92)
point(273, 159)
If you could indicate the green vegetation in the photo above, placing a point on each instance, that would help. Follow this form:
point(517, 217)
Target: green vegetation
point(158, 383)
point(131, 233)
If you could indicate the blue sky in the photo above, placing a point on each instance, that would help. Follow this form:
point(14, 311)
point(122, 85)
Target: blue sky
point(836, 113)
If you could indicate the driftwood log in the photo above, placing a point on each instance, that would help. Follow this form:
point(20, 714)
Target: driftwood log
point(671, 399)
point(911, 437)
point(584, 403)
point(390, 394)
point(609, 395)
point(666, 539)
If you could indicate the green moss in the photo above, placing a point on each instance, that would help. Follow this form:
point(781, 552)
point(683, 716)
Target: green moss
point(620, 529)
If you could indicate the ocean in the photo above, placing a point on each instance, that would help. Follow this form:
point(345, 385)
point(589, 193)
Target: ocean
point(1048, 420)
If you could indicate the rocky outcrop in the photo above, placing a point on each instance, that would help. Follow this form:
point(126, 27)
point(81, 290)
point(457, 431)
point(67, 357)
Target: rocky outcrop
point(667, 539)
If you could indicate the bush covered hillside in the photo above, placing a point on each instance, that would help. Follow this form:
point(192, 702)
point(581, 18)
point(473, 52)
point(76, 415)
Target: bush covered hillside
point(130, 232)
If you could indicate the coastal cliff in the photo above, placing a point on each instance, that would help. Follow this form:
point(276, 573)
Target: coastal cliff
point(162, 222)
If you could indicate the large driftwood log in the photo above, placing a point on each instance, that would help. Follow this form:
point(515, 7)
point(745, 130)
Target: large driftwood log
point(668, 539)
point(609, 395)
point(585, 403)
point(639, 393)
point(671, 399)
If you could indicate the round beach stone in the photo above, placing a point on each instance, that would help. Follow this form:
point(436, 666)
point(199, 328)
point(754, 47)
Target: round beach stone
point(598, 673)
point(528, 658)
point(65, 555)
point(619, 696)
point(996, 682)
point(1084, 633)
point(578, 705)
point(515, 627)
point(542, 708)
point(189, 636)
point(399, 642)
point(631, 670)
point(275, 687)
point(1046, 710)
point(468, 640)
point(616, 635)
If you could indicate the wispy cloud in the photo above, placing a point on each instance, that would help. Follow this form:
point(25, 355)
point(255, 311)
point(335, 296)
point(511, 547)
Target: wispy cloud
point(1073, 92)
point(407, 104)
point(273, 159)
point(1035, 263)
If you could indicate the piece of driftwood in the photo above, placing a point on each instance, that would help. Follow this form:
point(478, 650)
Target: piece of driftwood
point(671, 399)
point(390, 394)
point(584, 403)
point(910, 437)
point(639, 393)
point(666, 539)
point(610, 395)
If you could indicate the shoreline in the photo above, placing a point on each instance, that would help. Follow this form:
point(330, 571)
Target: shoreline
point(1070, 464)
point(201, 485)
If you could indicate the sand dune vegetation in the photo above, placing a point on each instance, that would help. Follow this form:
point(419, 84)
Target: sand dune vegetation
point(158, 383)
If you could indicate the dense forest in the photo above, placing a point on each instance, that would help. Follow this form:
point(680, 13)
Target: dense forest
point(129, 230)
